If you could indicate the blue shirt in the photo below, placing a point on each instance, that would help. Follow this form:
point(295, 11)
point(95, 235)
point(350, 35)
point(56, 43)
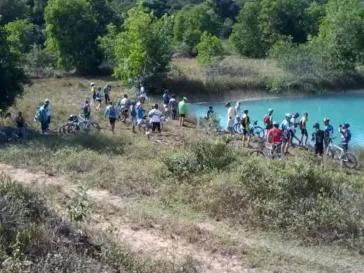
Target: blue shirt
point(111, 112)
point(140, 113)
point(330, 130)
point(286, 125)
point(165, 99)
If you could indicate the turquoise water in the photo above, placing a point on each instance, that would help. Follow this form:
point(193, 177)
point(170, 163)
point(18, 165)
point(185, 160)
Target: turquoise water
point(339, 108)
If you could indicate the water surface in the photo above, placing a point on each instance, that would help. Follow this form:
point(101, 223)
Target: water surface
point(339, 108)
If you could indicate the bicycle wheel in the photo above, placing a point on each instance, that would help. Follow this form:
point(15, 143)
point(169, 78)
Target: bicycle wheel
point(349, 160)
point(96, 125)
point(72, 128)
point(257, 153)
point(237, 128)
point(258, 132)
point(92, 127)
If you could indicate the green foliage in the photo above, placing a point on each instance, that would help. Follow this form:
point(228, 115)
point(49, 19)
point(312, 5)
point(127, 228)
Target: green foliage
point(12, 77)
point(341, 35)
point(225, 8)
point(284, 18)
point(78, 206)
point(11, 10)
point(144, 49)
point(247, 37)
point(192, 21)
point(39, 63)
point(72, 30)
point(209, 47)
point(21, 36)
point(181, 165)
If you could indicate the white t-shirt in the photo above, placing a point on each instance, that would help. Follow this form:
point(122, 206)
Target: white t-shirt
point(155, 115)
point(231, 112)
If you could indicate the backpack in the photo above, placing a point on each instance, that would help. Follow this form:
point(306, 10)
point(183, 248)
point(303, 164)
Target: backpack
point(348, 137)
point(112, 111)
point(37, 115)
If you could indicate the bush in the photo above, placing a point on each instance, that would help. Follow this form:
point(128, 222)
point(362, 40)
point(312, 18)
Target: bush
point(39, 63)
point(210, 46)
point(181, 165)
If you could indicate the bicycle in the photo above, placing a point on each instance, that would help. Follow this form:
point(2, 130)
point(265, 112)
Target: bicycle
point(254, 130)
point(274, 152)
point(333, 151)
point(78, 123)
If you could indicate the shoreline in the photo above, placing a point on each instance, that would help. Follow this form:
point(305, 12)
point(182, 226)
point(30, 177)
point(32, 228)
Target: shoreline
point(265, 96)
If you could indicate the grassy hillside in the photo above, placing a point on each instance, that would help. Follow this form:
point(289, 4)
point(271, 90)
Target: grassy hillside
point(181, 201)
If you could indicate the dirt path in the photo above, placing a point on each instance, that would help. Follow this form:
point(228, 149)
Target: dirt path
point(161, 246)
point(146, 241)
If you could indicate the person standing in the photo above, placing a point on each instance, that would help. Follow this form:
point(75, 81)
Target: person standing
point(142, 95)
point(43, 118)
point(245, 122)
point(156, 118)
point(268, 120)
point(86, 109)
point(231, 114)
point(133, 115)
point(173, 106)
point(20, 124)
point(49, 112)
point(182, 110)
point(318, 138)
point(303, 127)
point(98, 98)
point(287, 127)
point(165, 99)
point(8, 125)
point(93, 91)
point(111, 113)
point(345, 136)
point(210, 112)
point(107, 90)
point(238, 111)
point(329, 131)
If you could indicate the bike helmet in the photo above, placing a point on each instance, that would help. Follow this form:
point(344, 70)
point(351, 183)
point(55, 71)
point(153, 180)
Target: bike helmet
point(346, 125)
point(270, 110)
point(245, 111)
point(296, 115)
point(92, 84)
point(288, 115)
point(326, 120)
point(276, 124)
point(228, 104)
point(316, 125)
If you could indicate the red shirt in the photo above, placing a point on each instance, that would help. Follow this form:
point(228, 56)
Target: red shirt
point(275, 136)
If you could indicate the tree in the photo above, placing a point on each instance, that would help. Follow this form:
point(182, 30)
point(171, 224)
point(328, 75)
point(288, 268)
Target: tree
point(247, 36)
point(11, 10)
point(209, 47)
point(279, 18)
point(341, 35)
point(192, 21)
point(12, 77)
point(225, 8)
point(72, 30)
point(144, 48)
point(21, 36)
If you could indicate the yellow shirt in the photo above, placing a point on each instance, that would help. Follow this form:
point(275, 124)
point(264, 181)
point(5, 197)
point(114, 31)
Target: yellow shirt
point(93, 89)
point(8, 122)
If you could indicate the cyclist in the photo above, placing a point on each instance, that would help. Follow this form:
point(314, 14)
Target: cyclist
point(245, 123)
point(20, 124)
point(182, 110)
point(98, 98)
point(303, 127)
point(275, 135)
point(295, 124)
point(93, 91)
point(133, 115)
point(107, 90)
point(329, 131)
point(231, 117)
point(43, 118)
point(318, 137)
point(268, 119)
point(210, 113)
point(287, 127)
point(156, 118)
point(112, 113)
point(237, 111)
point(86, 108)
point(49, 112)
point(124, 105)
point(165, 100)
point(172, 105)
point(345, 136)
point(8, 125)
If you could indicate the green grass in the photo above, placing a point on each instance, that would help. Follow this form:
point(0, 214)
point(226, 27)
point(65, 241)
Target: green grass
point(202, 188)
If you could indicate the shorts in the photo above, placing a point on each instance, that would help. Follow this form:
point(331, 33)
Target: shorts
point(304, 132)
point(156, 125)
point(182, 115)
point(345, 147)
point(44, 125)
point(245, 132)
point(319, 148)
point(98, 99)
point(134, 121)
point(230, 123)
point(286, 136)
point(112, 121)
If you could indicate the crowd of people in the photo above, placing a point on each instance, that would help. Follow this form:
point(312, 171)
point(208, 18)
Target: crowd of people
point(283, 133)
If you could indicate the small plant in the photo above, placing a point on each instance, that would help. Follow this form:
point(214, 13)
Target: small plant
point(78, 206)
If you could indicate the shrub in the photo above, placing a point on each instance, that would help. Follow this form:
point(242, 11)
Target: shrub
point(181, 165)
point(210, 46)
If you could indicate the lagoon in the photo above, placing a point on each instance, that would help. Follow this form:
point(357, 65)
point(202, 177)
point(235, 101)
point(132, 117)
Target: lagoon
point(339, 108)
